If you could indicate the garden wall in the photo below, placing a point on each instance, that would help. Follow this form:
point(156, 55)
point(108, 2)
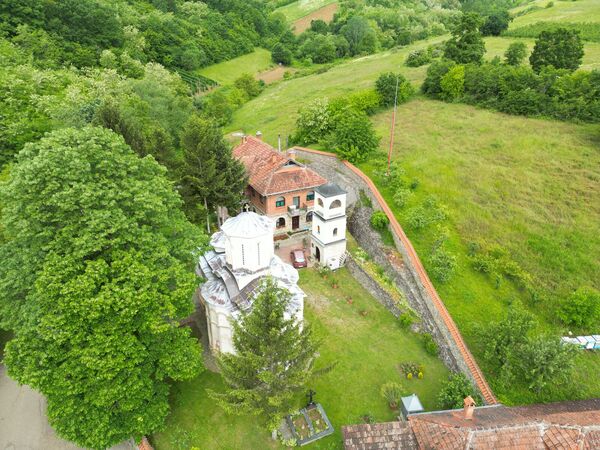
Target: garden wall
point(411, 278)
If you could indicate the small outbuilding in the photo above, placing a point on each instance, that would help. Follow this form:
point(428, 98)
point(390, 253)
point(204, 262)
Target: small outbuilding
point(411, 405)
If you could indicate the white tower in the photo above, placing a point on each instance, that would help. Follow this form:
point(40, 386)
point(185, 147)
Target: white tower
point(329, 226)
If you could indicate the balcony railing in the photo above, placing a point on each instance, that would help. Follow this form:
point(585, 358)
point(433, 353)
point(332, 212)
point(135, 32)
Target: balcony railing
point(295, 211)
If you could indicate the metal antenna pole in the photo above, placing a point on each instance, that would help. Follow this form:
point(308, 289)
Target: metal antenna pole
point(392, 127)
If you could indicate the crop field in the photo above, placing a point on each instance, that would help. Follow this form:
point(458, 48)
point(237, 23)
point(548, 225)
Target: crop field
point(301, 8)
point(325, 13)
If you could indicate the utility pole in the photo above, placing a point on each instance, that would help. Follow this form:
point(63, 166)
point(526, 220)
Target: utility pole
point(392, 128)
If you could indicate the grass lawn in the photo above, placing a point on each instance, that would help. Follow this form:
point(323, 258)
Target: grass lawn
point(227, 72)
point(366, 350)
point(301, 8)
point(275, 110)
point(531, 186)
point(562, 11)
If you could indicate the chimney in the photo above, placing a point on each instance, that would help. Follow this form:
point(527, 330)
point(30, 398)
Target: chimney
point(469, 408)
point(291, 153)
point(259, 135)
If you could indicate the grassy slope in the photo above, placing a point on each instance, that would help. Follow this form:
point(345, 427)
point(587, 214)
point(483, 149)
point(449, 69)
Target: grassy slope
point(227, 72)
point(367, 351)
point(301, 8)
point(562, 11)
point(275, 110)
point(532, 186)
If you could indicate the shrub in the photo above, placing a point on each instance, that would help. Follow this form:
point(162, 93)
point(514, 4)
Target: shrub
point(430, 345)
point(379, 220)
point(248, 84)
point(353, 136)
point(401, 196)
point(452, 83)
point(314, 122)
point(406, 320)
point(515, 53)
point(455, 390)
point(417, 217)
point(386, 87)
point(581, 308)
point(392, 392)
point(367, 101)
point(281, 54)
point(418, 58)
point(442, 264)
point(435, 72)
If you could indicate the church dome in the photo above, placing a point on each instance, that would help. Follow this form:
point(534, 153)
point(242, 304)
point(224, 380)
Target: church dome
point(248, 225)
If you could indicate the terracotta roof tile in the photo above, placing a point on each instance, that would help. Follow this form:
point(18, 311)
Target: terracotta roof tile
point(392, 435)
point(592, 440)
point(271, 172)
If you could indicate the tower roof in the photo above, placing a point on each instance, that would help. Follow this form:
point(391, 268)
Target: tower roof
point(248, 225)
point(330, 190)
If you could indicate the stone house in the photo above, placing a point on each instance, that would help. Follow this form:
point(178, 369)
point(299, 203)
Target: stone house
point(279, 187)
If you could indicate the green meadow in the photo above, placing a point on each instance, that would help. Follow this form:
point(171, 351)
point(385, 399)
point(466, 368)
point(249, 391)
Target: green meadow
point(301, 8)
point(228, 71)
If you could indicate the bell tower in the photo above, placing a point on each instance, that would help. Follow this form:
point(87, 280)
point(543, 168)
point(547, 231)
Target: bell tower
point(329, 226)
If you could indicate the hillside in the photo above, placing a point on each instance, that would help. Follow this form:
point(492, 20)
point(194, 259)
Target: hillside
point(531, 186)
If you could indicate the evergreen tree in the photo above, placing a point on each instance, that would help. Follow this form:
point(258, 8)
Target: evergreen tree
point(96, 274)
point(210, 176)
point(466, 44)
point(273, 361)
point(561, 49)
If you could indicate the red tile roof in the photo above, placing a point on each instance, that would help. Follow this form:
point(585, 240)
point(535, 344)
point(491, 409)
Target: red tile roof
point(271, 172)
point(562, 425)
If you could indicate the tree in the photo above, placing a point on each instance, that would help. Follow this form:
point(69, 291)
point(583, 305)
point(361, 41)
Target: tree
point(386, 87)
point(435, 73)
point(319, 26)
point(502, 338)
point(353, 136)
point(321, 49)
point(210, 176)
point(466, 44)
point(314, 122)
point(545, 361)
point(560, 48)
point(581, 308)
point(273, 360)
point(281, 54)
point(515, 53)
point(360, 36)
point(455, 390)
point(96, 274)
point(496, 23)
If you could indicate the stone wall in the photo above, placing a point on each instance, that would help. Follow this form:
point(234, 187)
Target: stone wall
point(406, 278)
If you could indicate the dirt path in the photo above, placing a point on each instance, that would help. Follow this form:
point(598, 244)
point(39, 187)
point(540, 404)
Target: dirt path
point(325, 13)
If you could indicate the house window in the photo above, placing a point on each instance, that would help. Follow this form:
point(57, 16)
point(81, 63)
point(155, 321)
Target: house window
point(262, 199)
point(318, 229)
point(310, 196)
point(280, 201)
point(335, 231)
point(296, 202)
point(335, 204)
point(309, 216)
point(281, 222)
point(320, 203)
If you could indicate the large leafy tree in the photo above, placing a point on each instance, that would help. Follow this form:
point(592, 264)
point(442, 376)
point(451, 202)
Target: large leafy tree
point(561, 49)
point(273, 361)
point(455, 390)
point(466, 44)
point(96, 274)
point(210, 176)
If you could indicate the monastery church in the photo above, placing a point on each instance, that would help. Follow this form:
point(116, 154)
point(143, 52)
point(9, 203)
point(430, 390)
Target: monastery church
point(284, 197)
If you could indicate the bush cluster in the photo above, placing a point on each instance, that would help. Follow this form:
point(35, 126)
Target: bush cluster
point(518, 90)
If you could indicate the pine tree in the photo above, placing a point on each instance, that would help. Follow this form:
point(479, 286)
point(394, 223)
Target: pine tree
point(210, 177)
point(273, 361)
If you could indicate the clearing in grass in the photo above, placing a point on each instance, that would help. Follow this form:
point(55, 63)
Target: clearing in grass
point(301, 8)
point(227, 72)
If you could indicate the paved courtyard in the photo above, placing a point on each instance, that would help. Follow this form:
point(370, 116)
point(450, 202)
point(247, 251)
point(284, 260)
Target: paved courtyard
point(23, 422)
